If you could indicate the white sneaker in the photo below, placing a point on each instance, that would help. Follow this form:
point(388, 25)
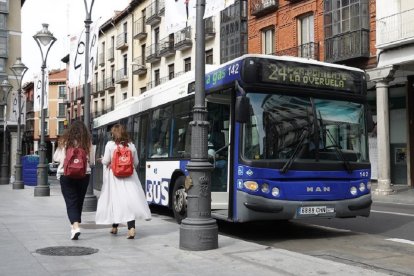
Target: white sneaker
point(74, 233)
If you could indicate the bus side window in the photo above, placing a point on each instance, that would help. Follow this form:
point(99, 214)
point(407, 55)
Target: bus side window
point(181, 129)
point(160, 131)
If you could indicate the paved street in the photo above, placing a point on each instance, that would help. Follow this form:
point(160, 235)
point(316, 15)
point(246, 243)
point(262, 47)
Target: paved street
point(29, 224)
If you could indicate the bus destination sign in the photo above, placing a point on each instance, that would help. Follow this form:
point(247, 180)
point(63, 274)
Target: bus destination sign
point(310, 75)
point(223, 76)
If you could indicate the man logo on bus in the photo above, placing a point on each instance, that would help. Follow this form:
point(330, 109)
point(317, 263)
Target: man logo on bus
point(318, 189)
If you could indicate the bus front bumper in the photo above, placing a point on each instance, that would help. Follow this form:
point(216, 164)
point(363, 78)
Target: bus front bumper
point(250, 207)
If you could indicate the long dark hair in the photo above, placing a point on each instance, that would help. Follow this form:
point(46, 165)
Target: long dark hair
point(77, 135)
point(120, 135)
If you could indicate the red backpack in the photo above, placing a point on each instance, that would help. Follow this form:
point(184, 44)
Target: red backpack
point(122, 163)
point(75, 163)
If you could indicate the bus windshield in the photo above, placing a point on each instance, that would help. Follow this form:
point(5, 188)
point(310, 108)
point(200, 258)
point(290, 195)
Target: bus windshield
point(317, 129)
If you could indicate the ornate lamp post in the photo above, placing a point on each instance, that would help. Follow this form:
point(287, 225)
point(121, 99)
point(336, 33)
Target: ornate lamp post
point(198, 231)
point(44, 40)
point(19, 69)
point(90, 202)
point(6, 87)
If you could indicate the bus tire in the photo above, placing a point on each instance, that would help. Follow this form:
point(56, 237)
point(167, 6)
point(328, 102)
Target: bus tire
point(179, 200)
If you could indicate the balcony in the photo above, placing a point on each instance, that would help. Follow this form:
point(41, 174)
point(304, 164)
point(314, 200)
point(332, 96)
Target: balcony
point(152, 53)
point(347, 46)
point(110, 84)
point(162, 80)
point(153, 13)
point(94, 88)
point(262, 7)
point(183, 39)
point(100, 86)
point(395, 30)
point(167, 47)
point(308, 50)
point(111, 54)
point(121, 76)
point(101, 59)
point(29, 106)
point(209, 28)
point(122, 41)
point(139, 66)
point(140, 31)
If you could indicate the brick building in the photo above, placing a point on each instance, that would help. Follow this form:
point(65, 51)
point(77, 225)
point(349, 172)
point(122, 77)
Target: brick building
point(340, 32)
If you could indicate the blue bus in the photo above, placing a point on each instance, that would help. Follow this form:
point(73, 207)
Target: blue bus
point(287, 139)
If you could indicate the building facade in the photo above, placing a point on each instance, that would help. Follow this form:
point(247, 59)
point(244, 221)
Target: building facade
point(55, 114)
point(10, 50)
point(393, 81)
point(135, 52)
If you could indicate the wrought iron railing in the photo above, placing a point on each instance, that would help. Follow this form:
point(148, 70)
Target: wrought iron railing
point(307, 50)
point(395, 28)
point(347, 46)
point(260, 7)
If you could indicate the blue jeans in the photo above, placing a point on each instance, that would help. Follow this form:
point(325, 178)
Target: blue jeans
point(74, 191)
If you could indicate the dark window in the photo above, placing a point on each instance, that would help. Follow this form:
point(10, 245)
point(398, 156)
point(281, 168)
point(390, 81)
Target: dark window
point(62, 111)
point(171, 71)
point(346, 26)
point(209, 56)
point(187, 64)
point(62, 91)
point(157, 77)
point(61, 127)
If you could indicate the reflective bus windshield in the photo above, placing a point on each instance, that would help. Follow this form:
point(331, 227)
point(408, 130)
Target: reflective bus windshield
point(317, 129)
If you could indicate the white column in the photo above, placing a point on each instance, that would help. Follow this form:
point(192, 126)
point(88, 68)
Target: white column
point(53, 150)
point(383, 134)
point(382, 76)
point(36, 146)
point(13, 150)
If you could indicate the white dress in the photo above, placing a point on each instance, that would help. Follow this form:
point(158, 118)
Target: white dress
point(121, 199)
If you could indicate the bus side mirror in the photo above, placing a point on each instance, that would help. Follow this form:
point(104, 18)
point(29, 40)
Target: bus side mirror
point(242, 109)
point(370, 120)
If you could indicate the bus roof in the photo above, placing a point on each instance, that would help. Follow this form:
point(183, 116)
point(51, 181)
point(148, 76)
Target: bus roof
point(295, 59)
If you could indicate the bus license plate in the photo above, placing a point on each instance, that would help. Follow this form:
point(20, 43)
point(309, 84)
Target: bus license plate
point(312, 210)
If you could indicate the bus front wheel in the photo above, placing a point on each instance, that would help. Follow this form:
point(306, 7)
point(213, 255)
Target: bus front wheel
point(179, 203)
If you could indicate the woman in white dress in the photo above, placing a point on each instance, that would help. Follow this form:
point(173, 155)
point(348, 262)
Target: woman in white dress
point(121, 199)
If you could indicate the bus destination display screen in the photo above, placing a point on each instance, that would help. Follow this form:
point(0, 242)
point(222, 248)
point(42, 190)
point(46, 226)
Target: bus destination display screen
point(309, 75)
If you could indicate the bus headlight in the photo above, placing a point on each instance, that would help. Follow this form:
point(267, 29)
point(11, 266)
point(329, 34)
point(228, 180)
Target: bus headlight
point(265, 188)
point(362, 187)
point(275, 192)
point(251, 185)
point(353, 191)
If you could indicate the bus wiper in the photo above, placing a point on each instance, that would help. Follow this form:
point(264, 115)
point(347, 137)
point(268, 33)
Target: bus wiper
point(296, 152)
point(335, 145)
point(339, 152)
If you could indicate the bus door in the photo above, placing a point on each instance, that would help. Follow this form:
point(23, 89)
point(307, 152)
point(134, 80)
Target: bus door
point(140, 139)
point(218, 153)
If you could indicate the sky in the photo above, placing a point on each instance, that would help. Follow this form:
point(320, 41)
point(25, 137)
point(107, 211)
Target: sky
point(65, 18)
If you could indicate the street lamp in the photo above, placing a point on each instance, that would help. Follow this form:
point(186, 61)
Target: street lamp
point(6, 87)
point(19, 69)
point(198, 231)
point(44, 39)
point(90, 202)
